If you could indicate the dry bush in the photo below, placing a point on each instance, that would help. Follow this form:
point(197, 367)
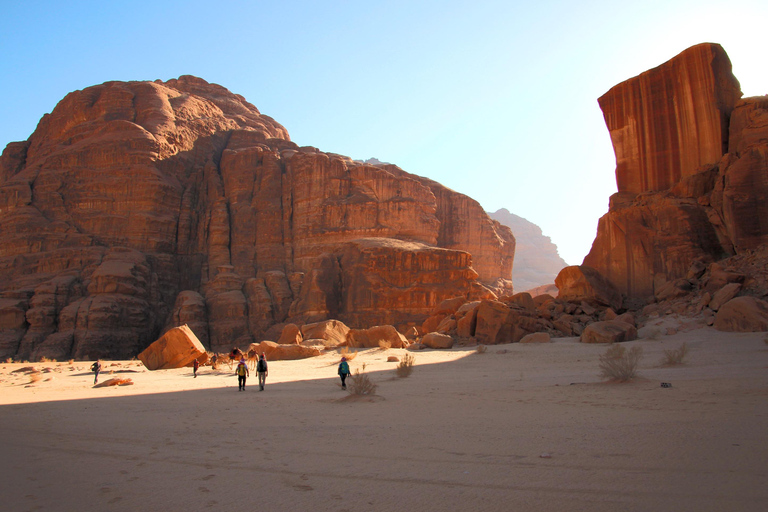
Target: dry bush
point(620, 364)
point(360, 383)
point(349, 354)
point(405, 367)
point(71, 361)
point(385, 345)
point(481, 349)
point(8, 360)
point(675, 356)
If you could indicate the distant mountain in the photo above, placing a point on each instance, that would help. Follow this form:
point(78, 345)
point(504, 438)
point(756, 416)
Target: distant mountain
point(537, 262)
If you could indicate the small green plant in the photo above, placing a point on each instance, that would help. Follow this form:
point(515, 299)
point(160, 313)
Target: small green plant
point(481, 349)
point(675, 356)
point(620, 364)
point(360, 383)
point(405, 367)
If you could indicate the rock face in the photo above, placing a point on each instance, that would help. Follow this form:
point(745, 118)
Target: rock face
point(692, 173)
point(537, 262)
point(177, 348)
point(139, 206)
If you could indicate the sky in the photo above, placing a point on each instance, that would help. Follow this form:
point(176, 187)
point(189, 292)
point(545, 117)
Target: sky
point(493, 99)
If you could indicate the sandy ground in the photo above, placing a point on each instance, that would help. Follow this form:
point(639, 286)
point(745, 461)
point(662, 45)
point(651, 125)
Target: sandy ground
point(520, 427)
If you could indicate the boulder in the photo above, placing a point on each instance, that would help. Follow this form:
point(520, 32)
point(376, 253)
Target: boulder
point(627, 318)
point(536, 337)
point(176, 348)
point(291, 335)
point(522, 299)
point(583, 283)
point(437, 340)
point(611, 331)
point(723, 295)
point(742, 314)
point(275, 352)
point(334, 332)
point(370, 338)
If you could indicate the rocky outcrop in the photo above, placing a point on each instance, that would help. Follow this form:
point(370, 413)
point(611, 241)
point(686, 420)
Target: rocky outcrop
point(743, 314)
point(136, 207)
point(537, 261)
point(692, 174)
point(177, 348)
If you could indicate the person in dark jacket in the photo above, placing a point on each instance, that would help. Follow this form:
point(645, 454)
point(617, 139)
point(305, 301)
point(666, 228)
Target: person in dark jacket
point(343, 372)
point(96, 368)
point(262, 370)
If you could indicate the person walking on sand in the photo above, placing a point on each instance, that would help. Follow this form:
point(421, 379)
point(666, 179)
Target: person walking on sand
point(343, 372)
point(263, 371)
point(195, 366)
point(242, 372)
point(96, 368)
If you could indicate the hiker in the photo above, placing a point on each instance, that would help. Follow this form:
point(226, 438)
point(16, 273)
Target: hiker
point(343, 372)
point(261, 368)
point(213, 361)
point(96, 368)
point(242, 372)
point(195, 366)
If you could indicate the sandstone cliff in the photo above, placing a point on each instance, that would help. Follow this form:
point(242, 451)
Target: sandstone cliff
point(135, 207)
point(537, 261)
point(692, 172)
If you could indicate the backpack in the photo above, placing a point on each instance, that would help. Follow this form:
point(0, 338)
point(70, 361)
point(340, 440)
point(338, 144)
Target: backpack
point(241, 369)
point(94, 367)
point(261, 366)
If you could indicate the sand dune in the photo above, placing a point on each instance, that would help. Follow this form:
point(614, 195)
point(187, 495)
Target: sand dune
point(521, 427)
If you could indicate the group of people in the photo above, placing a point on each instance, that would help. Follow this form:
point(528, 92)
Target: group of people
point(243, 373)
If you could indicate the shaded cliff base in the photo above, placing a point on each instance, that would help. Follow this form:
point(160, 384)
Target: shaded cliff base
point(526, 426)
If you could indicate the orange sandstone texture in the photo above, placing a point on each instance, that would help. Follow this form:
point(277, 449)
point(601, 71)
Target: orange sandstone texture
point(136, 207)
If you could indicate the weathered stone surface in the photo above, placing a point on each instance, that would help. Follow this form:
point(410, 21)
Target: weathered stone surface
point(499, 323)
point(141, 194)
point(537, 261)
point(612, 331)
point(176, 348)
point(371, 337)
point(671, 120)
point(723, 295)
point(437, 340)
point(578, 283)
point(742, 314)
point(275, 352)
point(291, 335)
point(536, 337)
point(334, 332)
point(692, 174)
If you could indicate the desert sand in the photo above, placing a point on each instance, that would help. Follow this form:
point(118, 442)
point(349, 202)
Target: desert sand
point(519, 427)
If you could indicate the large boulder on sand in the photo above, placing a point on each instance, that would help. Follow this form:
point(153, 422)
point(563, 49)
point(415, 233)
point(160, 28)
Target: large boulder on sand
point(276, 352)
point(611, 331)
point(177, 348)
point(742, 314)
point(333, 332)
point(370, 338)
point(437, 340)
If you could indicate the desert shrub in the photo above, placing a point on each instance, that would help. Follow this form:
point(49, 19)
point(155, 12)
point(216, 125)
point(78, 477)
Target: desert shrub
point(481, 349)
point(675, 356)
point(360, 383)
point(620, 364)
point(405, 367)
point(385, 345)
point(349, 354)
point(8, 360)
point(35, 376)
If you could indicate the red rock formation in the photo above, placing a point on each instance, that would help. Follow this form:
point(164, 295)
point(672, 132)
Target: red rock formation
point(177, 348)
point(692, 173)
point(139, 206)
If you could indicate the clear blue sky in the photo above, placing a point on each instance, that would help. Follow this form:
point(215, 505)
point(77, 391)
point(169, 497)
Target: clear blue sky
point(495, 99)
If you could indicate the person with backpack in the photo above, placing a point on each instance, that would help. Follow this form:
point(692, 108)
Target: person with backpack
point(195, 366)
point(242, 372)
point(96, 368)
point(344, 372)
point(261, 368)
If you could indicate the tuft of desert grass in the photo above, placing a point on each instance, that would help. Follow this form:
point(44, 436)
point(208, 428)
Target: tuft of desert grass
point(675, 356)
point(349, 354)
point(405, 367)
point(360, 383)
point(620, 364)
point(481, 349)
